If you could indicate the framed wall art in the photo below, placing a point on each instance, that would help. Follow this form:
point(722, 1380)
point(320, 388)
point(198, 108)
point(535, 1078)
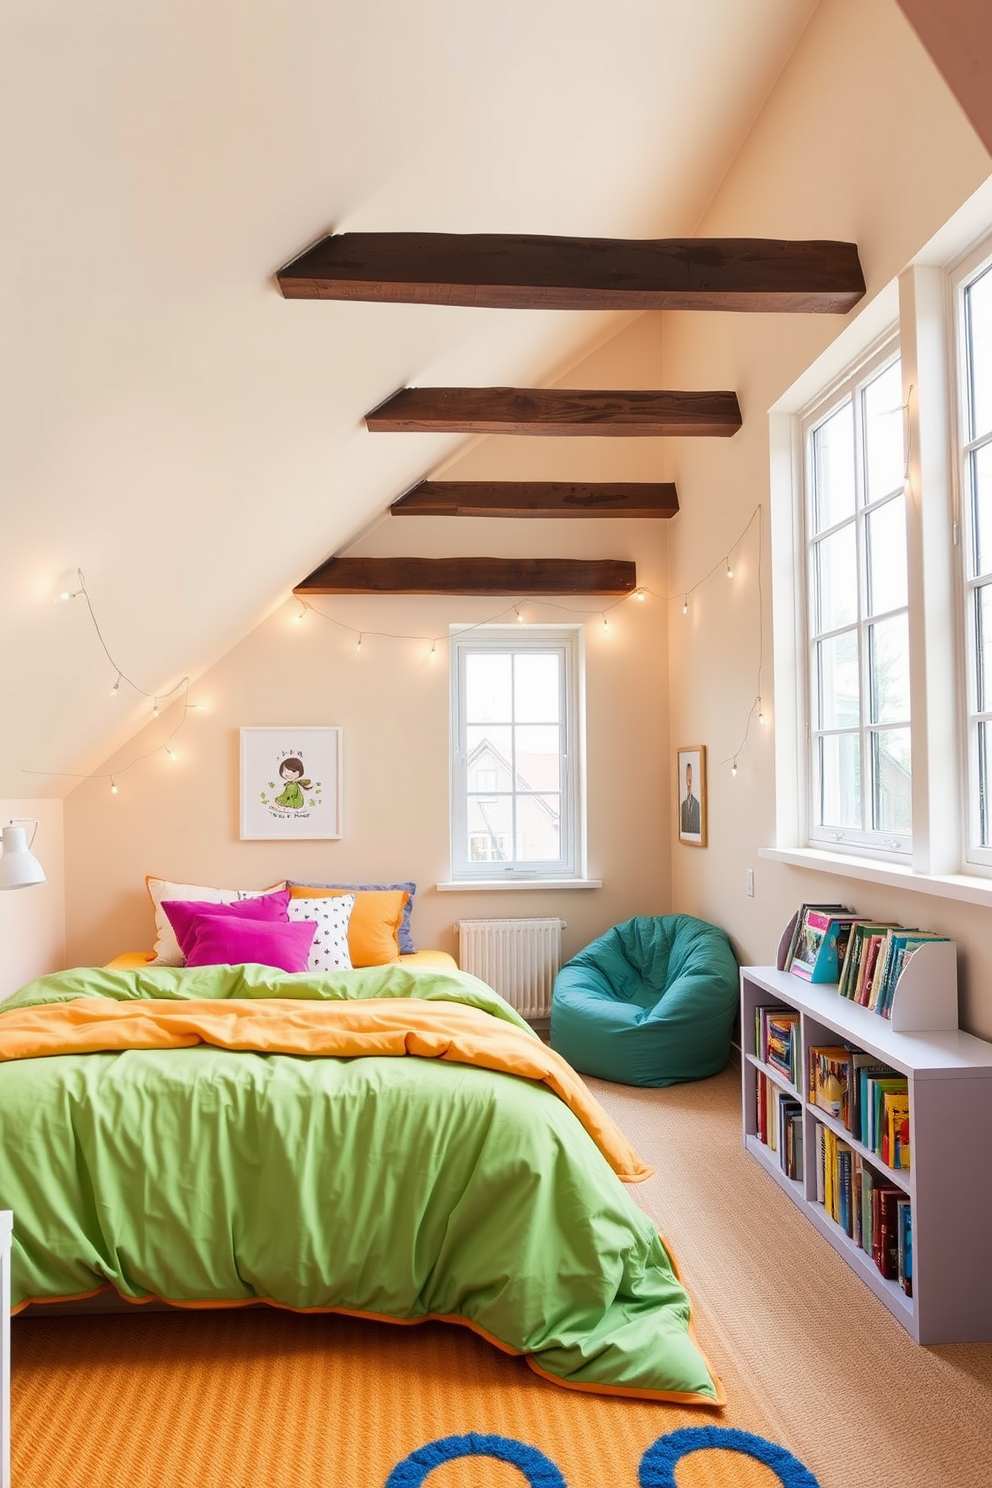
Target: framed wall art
point(290, 782)
point(691, 791)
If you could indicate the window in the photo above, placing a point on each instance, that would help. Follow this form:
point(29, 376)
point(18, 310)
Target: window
point(974, 321)
point(857, 602)
point(515, 742)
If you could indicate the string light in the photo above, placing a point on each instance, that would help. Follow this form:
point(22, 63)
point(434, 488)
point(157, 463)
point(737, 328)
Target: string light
point(733, 768)
point(520, 618)
point(113, 786)
point(761, 712)
point(358, 645)
point(606, 623)
point(730, 571)
point(69, 585)
point(155, 708)
point(299, 619)
point(170, 752)
point(116, 687)
point(685, 605)
point(640, 594)
point(433, 653)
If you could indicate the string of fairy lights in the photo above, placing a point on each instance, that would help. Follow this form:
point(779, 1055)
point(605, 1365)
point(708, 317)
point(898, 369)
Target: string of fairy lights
point(72, 586)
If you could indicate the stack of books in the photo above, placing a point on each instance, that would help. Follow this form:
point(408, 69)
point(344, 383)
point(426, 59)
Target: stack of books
point(875, 1214)
point(876, 956)
point(780, 1125)
point(869, 1098)
point(776, 1040)
point(865, 957)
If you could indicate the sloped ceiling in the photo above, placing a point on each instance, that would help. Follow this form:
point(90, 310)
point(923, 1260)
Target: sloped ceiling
point(168, 423)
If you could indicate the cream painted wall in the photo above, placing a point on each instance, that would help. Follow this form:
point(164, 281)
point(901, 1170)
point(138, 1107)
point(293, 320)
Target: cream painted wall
point(32, 920)
point(181, 820)
point(860, 139)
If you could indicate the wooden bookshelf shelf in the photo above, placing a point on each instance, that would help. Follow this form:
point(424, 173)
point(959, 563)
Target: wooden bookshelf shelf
point(950, 1092)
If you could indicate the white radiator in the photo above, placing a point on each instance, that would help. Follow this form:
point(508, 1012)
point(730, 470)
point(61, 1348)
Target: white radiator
point(520, 958)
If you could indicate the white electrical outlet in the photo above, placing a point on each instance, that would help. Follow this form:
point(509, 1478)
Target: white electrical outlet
point(749, 882)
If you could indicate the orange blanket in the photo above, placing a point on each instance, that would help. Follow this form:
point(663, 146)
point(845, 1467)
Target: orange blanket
point(384, 1027)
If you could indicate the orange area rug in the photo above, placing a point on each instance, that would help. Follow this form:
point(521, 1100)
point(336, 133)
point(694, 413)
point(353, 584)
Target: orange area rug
point(262, 1398)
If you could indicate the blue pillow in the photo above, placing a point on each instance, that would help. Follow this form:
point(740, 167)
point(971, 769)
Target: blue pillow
point(403, 937)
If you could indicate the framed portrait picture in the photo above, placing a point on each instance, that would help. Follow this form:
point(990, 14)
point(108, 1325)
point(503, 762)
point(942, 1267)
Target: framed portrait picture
point(691, 794)
point(290, 782)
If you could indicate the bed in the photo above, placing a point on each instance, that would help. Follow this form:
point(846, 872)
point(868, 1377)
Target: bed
point(392, 1141)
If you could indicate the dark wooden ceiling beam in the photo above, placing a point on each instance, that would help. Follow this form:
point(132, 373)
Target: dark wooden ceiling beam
point(561, 412)
point(538, 499)
point(529, 272)
point(510, 576)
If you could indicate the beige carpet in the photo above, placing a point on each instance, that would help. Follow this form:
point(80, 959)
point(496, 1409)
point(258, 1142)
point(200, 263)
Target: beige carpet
point(847, 1389)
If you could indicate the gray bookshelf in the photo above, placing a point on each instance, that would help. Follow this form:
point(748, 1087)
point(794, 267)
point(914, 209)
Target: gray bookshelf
point(950, 1089)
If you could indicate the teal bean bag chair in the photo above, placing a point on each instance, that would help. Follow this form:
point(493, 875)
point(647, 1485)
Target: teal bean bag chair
point(651, 1002)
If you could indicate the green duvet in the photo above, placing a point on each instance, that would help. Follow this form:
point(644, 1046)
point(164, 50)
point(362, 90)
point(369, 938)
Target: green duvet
point(399, 1187)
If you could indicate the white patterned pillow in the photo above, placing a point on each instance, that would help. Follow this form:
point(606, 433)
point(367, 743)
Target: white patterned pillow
point(329, 951)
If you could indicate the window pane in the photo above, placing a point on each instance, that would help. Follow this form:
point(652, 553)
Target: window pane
point(980, 350)
point(886, 540)
point(833, 469)
point(885, 459)
point(980, 469)
point(488, 694)
point(489, 755)
point(537, 828)
point(837, 678)
point(538, 759)
point(490, 828)
point(536, 693)
point(836, 579)
point(888, 660)
point(984, 761)
point(983, 646)
point(892, 782)
point(840, 781)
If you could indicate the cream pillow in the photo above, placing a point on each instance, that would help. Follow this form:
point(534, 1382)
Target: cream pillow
point(167, 951)
point(329, 949)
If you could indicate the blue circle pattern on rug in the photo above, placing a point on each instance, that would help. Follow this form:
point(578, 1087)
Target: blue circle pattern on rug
point(657, 1469)
point(539, 1470)
point(658, 1464)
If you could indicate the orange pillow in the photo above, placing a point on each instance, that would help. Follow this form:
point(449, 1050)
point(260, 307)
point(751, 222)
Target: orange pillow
point(375, 920)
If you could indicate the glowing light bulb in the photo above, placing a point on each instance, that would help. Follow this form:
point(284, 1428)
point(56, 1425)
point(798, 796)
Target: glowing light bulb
point(639, 594)
point(730, 571)
point(116, 688)
point(733, 768)
point(113, 786)
point(68, 585)
point(685, 605)
point(520, 618)
point(358, 645)
point(606, 623)
point(433, 653)
point(155, 708)
point(299, 619)
point(761, 712)
point(170, 752)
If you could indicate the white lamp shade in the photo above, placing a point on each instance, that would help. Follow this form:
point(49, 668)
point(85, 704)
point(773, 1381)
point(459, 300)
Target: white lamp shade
point(18, 865)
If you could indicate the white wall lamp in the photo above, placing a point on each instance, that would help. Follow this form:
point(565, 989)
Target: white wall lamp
point(18, 865)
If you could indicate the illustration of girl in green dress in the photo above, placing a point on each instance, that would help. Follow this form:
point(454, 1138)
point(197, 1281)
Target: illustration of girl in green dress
point(291, 796)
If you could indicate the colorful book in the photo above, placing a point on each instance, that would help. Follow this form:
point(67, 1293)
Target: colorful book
point(904, 1247)
point(861, 930)
point(799, 924)
point(821, 944)
point(903, 946)
point(895, 1132)
point(829, 1074)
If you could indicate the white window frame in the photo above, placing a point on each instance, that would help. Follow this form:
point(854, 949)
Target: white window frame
point(568, 642)
point(847, 389)
point(963, 274)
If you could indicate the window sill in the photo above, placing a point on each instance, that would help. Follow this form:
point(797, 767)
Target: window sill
point(470, 885)
point(966, 888)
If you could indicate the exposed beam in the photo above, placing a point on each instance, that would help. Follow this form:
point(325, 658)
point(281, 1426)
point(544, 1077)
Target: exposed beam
point(524, 271)
point(555, 411)
point(471, 576)
point(538, 499)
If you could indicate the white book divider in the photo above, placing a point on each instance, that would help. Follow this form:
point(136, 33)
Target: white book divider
point(925, 999)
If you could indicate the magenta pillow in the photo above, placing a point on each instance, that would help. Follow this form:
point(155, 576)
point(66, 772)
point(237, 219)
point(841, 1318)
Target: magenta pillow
point(218, 941)
point(182, 912)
